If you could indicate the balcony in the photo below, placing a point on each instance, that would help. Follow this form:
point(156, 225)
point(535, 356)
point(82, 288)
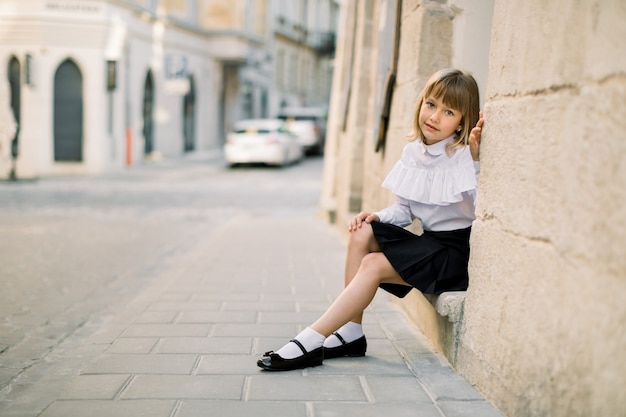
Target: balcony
point(322, 42)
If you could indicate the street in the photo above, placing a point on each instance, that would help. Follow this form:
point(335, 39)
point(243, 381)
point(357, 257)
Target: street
point(74, 247)
point(152, 292)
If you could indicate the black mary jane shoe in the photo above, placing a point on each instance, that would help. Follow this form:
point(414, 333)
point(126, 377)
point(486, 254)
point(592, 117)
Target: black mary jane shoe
point(352, 349)
point(274, 362)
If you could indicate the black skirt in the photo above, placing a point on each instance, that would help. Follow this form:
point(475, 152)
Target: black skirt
point(433, 262)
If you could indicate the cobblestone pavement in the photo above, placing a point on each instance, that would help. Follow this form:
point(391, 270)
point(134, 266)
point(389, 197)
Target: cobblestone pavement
point(152, 292)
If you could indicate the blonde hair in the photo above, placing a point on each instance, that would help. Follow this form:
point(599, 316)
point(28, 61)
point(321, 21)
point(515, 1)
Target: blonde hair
point(459, 91)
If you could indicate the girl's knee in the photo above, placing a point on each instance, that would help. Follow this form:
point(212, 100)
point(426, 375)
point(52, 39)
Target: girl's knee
point(374, 262)
point(362, 237)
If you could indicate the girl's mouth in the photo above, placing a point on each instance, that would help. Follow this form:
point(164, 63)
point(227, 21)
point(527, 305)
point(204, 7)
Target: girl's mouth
point(431, 127)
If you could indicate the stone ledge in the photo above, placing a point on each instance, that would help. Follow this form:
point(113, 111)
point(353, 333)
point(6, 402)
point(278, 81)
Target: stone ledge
point(439, 317)
point(450, 305)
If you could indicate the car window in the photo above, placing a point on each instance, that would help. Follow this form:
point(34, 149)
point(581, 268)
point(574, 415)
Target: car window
point(253, 131)
point(297, 118)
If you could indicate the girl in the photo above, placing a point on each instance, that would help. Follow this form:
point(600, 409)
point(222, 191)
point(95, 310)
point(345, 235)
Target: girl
point(434, 181)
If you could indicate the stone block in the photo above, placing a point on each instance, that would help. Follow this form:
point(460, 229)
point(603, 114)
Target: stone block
point(140, 408)
point(440, 380)
point(199, 408)
point(477, 408)
point(94, 387)
point(133, 345)
point(165, 330)
point(143, 364)
point(450, 305)
point(395, 409)
point(222, 387)
point(395, 388)
point(296, 387)
point(233, 345)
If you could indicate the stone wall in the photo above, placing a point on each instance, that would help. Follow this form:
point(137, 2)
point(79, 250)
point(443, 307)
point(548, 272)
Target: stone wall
point(541, 332)
point(543, 322)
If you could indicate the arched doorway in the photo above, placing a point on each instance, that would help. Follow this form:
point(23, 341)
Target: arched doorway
point(189, 117)
point(68, 112)
point(15, 96)
point(148, 114)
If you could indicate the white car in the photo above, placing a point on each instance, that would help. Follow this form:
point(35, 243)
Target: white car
point(309, 124)
point(262, 141)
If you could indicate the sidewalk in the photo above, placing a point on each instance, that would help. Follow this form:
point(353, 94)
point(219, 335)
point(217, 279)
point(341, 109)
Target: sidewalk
point(188, 346)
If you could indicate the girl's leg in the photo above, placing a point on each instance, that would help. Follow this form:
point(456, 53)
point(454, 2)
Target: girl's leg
point(374, 269)
point(366, 269)
point(361, 243)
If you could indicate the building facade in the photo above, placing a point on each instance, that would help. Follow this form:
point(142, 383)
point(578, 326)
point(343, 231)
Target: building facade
point(98, 85)
point(539, 331)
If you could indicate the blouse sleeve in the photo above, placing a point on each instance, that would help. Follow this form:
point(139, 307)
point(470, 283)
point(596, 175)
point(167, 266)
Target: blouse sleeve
point(398, 213)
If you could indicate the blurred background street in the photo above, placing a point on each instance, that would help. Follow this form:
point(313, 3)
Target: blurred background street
point(74, 246)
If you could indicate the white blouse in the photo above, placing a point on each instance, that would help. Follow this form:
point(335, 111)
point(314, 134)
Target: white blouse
point(429, 185)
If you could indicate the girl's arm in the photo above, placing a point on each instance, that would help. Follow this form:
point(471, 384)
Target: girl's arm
point(398, 213)
point(474, 138)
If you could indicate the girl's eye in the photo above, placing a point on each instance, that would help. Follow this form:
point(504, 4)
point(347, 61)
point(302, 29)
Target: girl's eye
point(430, 104)
point(449, 113)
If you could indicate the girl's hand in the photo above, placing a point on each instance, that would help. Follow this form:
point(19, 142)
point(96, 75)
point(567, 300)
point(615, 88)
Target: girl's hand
point(474, 138)
point(358, 220)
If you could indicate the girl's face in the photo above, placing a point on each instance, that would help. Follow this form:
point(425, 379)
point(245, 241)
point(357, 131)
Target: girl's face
point(437, 121)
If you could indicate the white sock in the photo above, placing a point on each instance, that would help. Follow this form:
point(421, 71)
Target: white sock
point(309, 338)
point(350, 332)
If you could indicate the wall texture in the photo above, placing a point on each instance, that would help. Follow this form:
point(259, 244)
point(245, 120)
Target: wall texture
point(542, 331)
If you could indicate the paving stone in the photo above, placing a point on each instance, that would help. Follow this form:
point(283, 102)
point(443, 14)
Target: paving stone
point(218, 317)
point(477, 408)
point(395, 409)
point(230, 297)
point(367, 365)
point(198, 408)
point(292, 386)
point(94, 387)
point(6, 374)
point(229, 345)
point(185, 387)
point(265, 306)
point(165, 330)
point(440, 379)
point(304, 318)
point(133, 345)
point(176, 296)
point(269, 329)
point(380, 347)
point(143, 364)
point(138, 408)
point(164, 317)
point(395, 388)
point(227, 364)
point(185, 306)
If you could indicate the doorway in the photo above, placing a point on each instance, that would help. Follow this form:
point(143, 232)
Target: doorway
point(189, 117)
point(148, 114)
point(68, 112)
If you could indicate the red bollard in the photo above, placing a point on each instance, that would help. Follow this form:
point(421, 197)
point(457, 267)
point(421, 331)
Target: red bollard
point(129, 146)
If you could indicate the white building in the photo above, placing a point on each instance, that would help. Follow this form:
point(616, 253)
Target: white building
point(97, 85)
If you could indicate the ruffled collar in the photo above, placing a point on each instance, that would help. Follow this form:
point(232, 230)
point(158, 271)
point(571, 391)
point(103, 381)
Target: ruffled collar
point(438, 148)
point(426, 174)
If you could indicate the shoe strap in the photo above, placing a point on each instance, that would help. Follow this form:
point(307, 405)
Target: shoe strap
point(297, 342)
point(341, 339)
